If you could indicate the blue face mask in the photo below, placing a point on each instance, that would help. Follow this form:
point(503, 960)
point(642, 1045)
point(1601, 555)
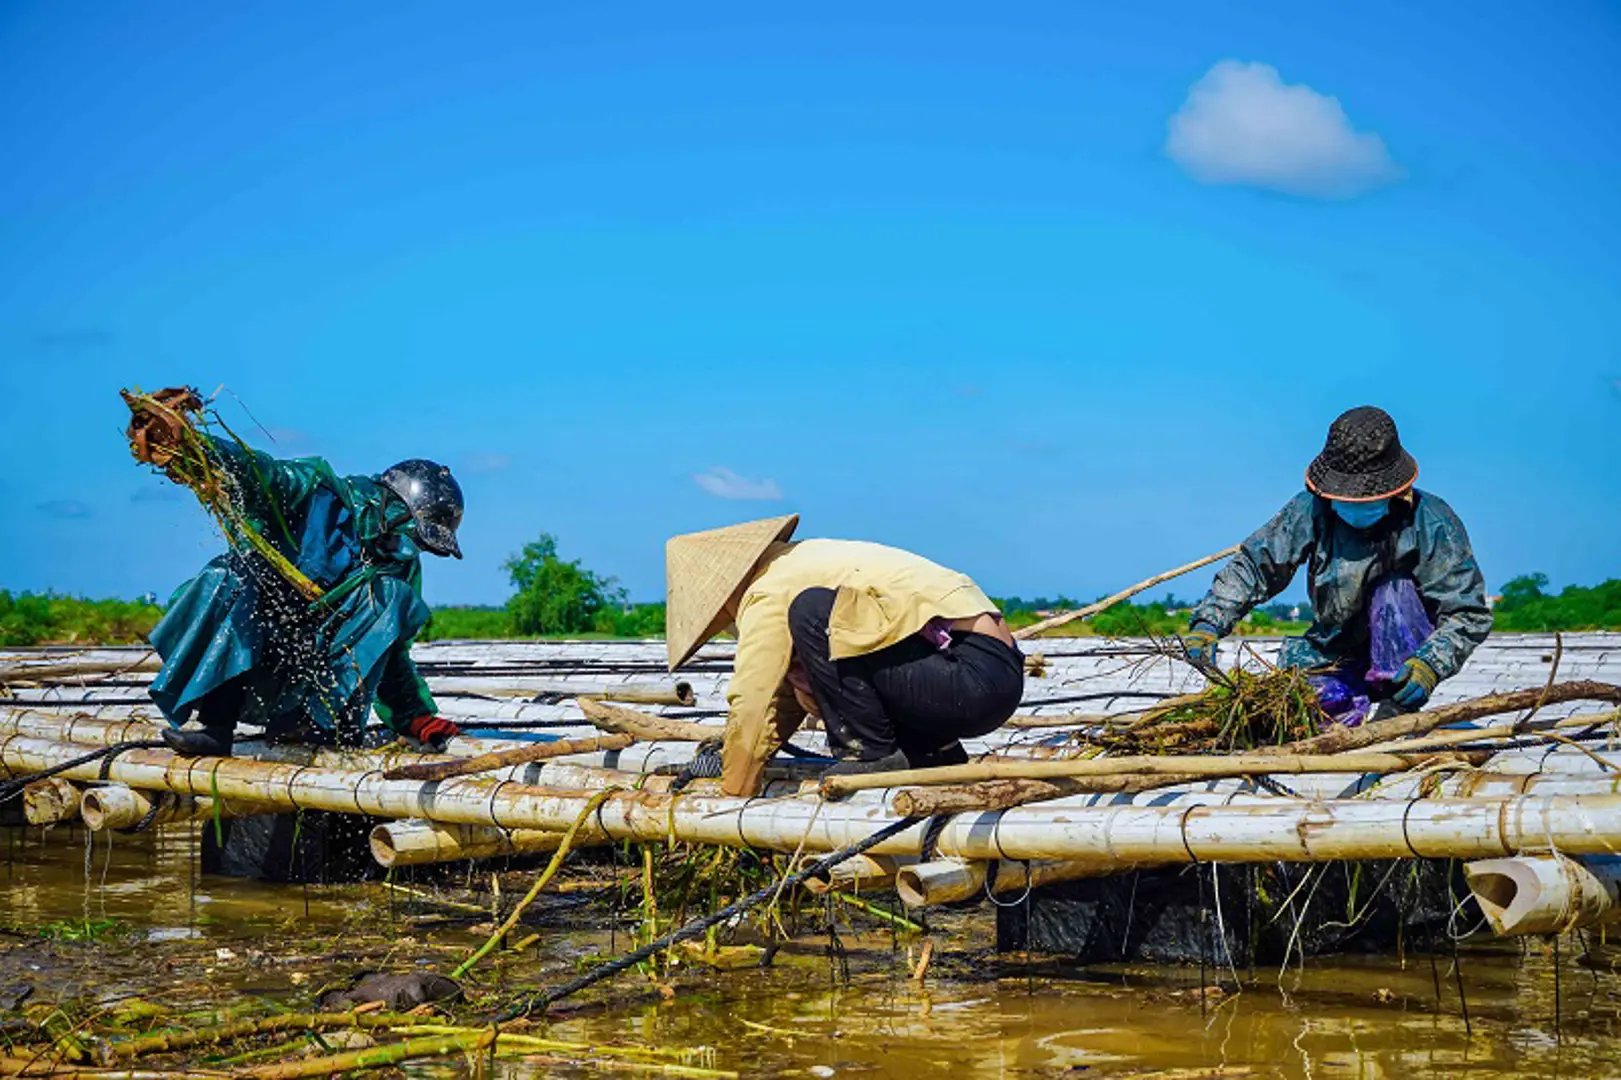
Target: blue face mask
point(1361, 515)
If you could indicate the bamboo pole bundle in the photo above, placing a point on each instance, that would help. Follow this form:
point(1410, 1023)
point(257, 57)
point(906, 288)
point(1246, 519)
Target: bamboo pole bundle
point(945, 881)
point(51, 801)
point(1265, 830)
point(1545, 894)
point(414, 842)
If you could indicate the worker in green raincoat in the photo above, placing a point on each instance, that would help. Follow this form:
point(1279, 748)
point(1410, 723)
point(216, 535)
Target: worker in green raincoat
point(240, 642)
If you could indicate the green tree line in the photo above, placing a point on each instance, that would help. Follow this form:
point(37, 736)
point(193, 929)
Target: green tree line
point(554, 597)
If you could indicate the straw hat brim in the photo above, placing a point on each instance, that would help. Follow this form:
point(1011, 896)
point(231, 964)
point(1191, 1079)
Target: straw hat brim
point(705, 570)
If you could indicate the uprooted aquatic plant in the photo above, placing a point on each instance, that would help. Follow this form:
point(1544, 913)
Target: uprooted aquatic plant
point(1240, 710)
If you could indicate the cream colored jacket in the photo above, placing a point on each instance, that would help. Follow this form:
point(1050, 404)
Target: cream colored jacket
point(884, 596)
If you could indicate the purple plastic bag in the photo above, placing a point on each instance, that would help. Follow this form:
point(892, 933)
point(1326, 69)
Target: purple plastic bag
point(1397, 626)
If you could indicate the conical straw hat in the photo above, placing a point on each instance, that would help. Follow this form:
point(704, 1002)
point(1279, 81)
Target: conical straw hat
point(703, 570)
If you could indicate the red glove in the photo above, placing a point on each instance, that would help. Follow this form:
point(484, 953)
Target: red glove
point(435, 731)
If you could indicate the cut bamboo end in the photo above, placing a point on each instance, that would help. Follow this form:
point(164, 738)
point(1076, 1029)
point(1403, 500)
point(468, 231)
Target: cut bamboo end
point(418, 843)
point(115, 806)
point(1545, 894)
point(51, 801)
point(862, 873)
point(946, 881)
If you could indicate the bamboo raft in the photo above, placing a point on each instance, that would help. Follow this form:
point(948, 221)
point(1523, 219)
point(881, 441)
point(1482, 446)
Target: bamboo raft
point(1504, 785)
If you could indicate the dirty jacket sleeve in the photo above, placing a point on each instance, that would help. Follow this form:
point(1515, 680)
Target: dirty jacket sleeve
point(762, 712)
point(1263, 567)
point(402, 693)
point(1450, 581)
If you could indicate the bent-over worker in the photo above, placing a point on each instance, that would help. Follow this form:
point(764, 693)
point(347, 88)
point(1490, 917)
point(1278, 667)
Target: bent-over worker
point(900, 657)
point(239, 641)
point(1399, 601)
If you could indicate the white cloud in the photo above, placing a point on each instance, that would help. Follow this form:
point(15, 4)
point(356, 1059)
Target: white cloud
point(723, 483)
point(1241, 124)
point(487, 462)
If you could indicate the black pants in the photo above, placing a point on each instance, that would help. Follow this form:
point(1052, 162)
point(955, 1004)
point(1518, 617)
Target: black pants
point(911, 696)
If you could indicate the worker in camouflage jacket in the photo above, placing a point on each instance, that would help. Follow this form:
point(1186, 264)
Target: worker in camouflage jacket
point(1398, 598)
point(240, 642)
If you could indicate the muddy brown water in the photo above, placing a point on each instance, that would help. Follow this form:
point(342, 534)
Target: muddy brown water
point(193, 942)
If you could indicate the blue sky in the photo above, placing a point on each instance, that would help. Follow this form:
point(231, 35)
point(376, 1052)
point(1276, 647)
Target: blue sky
point(941, 275)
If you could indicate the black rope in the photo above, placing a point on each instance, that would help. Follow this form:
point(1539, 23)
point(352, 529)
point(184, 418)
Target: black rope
point(159, 800)
point(13, 787)
point(698, 927)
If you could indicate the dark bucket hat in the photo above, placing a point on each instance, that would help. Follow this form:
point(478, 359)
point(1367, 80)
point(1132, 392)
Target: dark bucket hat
point(1363, 459)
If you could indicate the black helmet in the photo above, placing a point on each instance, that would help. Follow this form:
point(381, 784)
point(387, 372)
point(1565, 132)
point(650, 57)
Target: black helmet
point(434, 499)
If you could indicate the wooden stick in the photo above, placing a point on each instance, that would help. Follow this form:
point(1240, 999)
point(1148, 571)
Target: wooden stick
point(500, 759)
point(1502, 731)
point(1107, 602)
point(1006, 794)
point(922, 969)
point(645, 725)
point(1340, 739)
point(1203, 765)
point(682, 694)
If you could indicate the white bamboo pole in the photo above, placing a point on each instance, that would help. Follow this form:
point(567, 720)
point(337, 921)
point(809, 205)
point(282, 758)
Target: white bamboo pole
point(104, 731)
point(416, 843)
point(945, 881)
point(115, 806)
point(51, 801)
point(77, 727)
point(1266, 830)
point(1545, 894)
point(860, 873)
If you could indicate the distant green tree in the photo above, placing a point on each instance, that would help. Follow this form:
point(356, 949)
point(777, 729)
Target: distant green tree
point(1520, 591)
point(1524, 606)
point(554, 596)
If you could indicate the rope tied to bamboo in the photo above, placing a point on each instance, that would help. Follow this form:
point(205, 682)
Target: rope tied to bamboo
point(13, 787)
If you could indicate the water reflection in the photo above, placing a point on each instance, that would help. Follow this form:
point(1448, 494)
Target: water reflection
point(978, 1015)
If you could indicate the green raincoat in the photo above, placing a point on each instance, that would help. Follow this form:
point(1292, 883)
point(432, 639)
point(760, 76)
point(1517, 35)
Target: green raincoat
point(324, 662)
